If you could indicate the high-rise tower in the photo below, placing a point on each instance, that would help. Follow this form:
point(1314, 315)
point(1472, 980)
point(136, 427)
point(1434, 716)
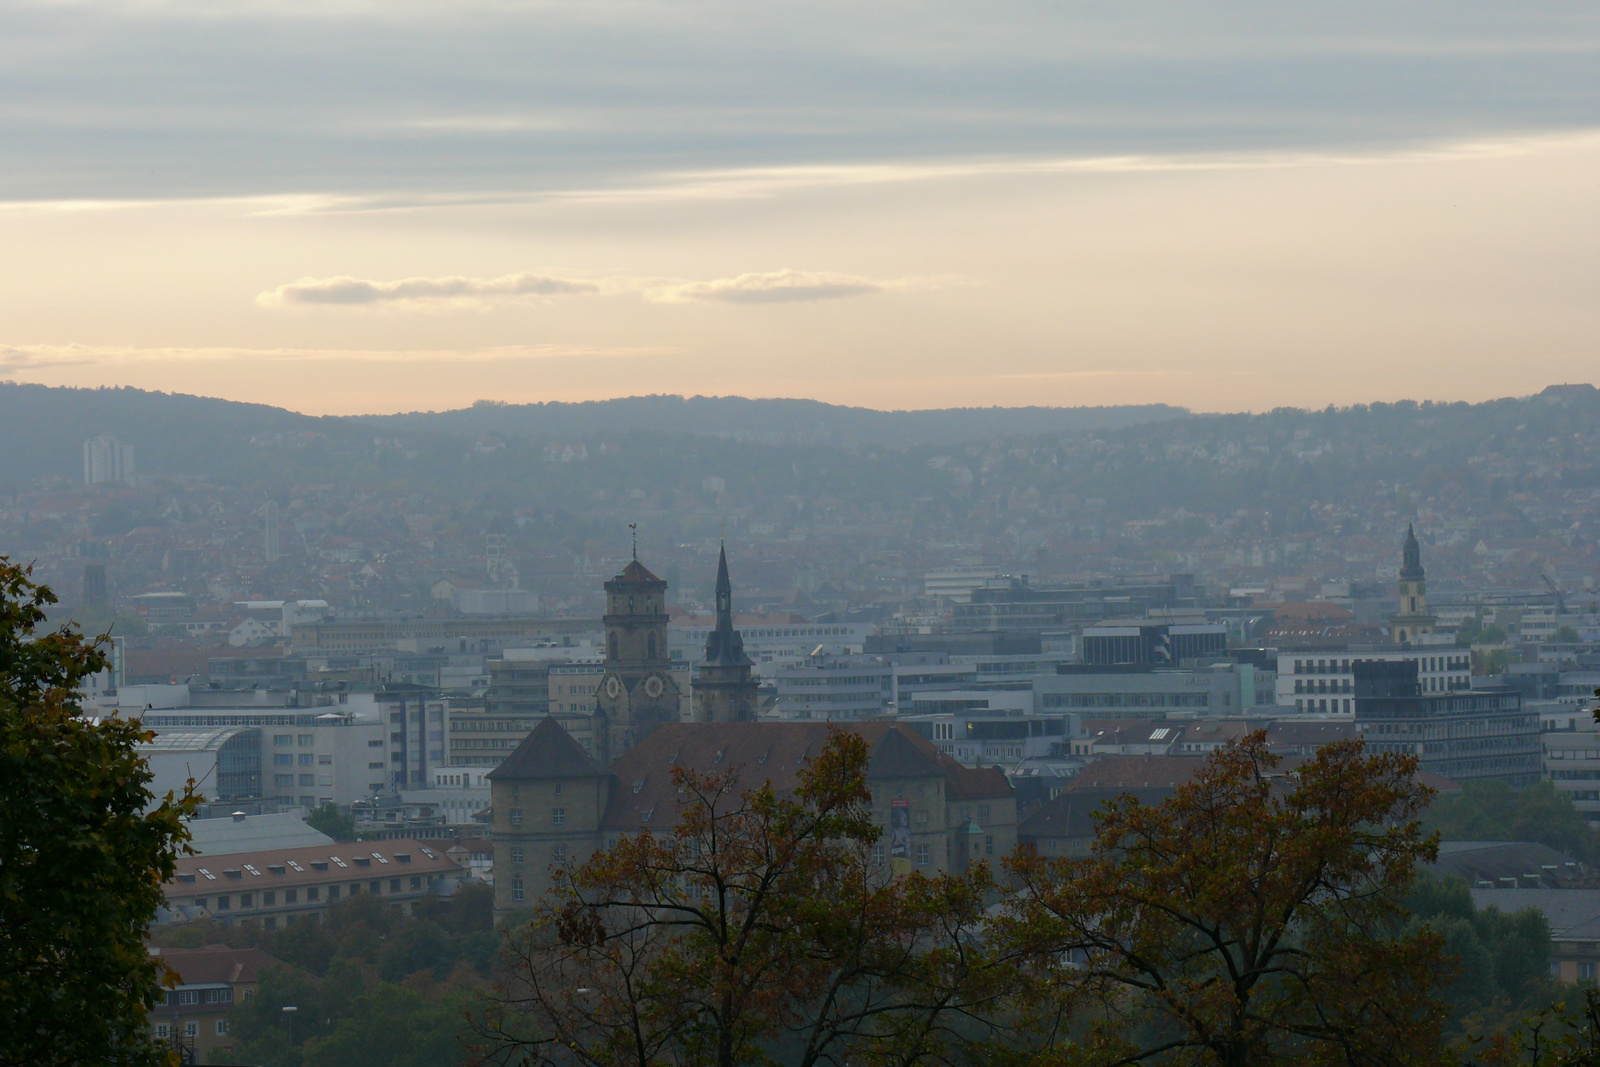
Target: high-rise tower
point(724, 690)
point(637, 692)
point(1413, 618)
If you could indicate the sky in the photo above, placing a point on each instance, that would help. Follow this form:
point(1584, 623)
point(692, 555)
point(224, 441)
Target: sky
point(347, 207)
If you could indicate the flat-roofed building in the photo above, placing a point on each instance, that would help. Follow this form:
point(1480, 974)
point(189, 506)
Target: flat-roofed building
point(1465, 736)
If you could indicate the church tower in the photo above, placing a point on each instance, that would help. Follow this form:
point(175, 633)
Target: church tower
point(724, 690)
point(636, 694)
point(1413, 618)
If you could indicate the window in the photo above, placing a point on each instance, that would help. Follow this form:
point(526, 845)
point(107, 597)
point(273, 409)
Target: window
point(378, 743)
point(269, 898)
point(247, 900)
point(224, 903)
point(558, 816)
point(516, 816)
point(191, 1029)
point(307, 759)
point(199, 902)
point(308, 779)
point(282, 740)
point(188, 996)
point(394, 885)
point(333, 892)
point(375, 766)
point(163, 1031)
point(291, 896)
point(922, 816)
point(983, 813)
point(283, 759)
point(988, 845)
point(1585, 972)
point(416, 882)
point(558, 854)
point(286, 780)
point(877, 854)
point(218, 996)
point(516, 889)
point(222, 1026)
point(313, 892)
point(922, 855)
point(375, 887)
point(516, 853)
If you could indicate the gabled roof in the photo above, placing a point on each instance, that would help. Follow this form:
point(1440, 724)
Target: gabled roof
point(1071, 814)
point(894, 756)
point(217, 964)
point(548, 752)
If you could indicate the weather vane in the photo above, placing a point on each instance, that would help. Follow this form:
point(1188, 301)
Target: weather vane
point(635, 528)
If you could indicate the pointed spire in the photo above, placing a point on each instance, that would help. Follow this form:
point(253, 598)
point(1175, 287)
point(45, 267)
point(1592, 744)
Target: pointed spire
point(724, 645)
point(1411, 556)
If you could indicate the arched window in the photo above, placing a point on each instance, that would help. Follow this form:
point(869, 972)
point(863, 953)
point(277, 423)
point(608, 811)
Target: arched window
point(650, 646)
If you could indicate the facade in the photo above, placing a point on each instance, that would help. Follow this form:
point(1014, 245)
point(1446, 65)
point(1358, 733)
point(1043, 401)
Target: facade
point(724, 687)
point(637, 692)
point(1413, 620)
point(1323, 679)
point(106, 460)
point(1571, 747)
point(196, 1014)
point(1141, 692)
point(834, 688)
point(274, 887)
point(1140, 641)
point(1016, 604)
point(1465, 736)
point(555, 805)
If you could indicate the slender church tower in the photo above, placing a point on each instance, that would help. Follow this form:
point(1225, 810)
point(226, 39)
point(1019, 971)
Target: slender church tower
point(636, 693)
point(1413, 618)
point(724, 690)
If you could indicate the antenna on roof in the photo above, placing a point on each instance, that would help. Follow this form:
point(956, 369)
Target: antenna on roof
point(635, 528)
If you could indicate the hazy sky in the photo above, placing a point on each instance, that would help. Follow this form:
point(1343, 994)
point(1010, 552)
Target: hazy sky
point(360, 207)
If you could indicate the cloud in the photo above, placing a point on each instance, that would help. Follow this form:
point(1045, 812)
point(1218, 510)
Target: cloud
point(773, 287)
point(345, 291)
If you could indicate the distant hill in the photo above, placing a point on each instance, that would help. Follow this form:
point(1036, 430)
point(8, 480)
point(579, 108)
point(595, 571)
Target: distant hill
point(774, 421)
point(42, 428)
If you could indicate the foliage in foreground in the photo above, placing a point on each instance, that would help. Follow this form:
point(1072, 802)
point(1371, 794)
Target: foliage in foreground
point(1254, 917)
point(84, 849)
point(757, 932)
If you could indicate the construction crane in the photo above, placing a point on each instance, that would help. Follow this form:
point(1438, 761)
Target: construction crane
point(1561, 600)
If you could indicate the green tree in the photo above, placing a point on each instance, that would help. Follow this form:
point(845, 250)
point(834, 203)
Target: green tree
point(1492, 811)
point(1255, 917)
point(1565, 635)
point(333, 822)
point(84, 849)
point(1504, 966)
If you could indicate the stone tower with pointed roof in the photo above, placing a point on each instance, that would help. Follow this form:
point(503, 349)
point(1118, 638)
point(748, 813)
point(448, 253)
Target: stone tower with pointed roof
point(724, 688)
point(1413, 619)
point(548, 799)
point(637, 693)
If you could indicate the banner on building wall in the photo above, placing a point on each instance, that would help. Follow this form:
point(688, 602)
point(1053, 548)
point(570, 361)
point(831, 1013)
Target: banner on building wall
point(900, 836)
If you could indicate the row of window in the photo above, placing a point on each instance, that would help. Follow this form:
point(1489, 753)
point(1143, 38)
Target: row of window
point(163, 1031)
point(269, 897)
point(196, 996)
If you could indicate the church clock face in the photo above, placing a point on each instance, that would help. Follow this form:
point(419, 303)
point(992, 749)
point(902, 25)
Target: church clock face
point(613, 687)
point(653, 687)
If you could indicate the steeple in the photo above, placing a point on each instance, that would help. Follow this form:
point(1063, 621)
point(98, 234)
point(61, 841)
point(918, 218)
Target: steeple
point(724, 645)
point(1411, 561)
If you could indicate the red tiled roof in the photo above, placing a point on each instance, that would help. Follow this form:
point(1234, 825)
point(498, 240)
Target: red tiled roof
point(307, 865)
point(217, 964)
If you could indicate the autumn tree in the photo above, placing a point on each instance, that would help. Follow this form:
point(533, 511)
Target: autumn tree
point(84, 849)
point(1254, 917)
point(756, 932)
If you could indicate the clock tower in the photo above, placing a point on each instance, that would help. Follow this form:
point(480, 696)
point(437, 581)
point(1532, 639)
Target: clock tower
point(1413, 619)
point(637, 692)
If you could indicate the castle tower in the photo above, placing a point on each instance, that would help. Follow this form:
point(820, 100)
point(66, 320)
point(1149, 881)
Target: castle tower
point(1413, 618)
point(637, 692)
point(724, 690)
